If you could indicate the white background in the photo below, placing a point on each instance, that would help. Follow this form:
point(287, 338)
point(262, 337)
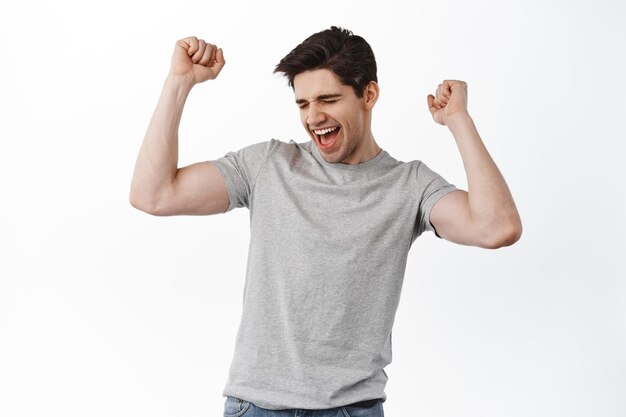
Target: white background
point(107, 311)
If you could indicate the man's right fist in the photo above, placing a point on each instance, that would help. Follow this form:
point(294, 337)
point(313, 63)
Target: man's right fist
point(196, 59)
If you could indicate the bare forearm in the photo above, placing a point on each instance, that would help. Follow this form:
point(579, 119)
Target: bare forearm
point(157, 161)
point(490, 201)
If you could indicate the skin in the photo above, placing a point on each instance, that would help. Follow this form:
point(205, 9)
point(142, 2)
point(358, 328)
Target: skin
point(159, 187)
point(484, 216)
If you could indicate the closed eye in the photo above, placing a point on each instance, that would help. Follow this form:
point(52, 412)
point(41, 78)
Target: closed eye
point(324, 99)
point(303, 106)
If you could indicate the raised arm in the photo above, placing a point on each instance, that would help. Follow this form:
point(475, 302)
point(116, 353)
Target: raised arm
point(485, 215)
point(158, 186)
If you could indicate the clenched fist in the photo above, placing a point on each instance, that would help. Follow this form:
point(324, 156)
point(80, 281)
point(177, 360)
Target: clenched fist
point(450, 98)
point(197, 60)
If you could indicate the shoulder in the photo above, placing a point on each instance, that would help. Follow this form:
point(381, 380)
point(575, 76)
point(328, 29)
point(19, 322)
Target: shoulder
point(277, 148)
point(291, 145)
point(408, 166)
point(414, 169)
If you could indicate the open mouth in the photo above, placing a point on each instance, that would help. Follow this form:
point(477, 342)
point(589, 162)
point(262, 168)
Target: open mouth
point(327, 137)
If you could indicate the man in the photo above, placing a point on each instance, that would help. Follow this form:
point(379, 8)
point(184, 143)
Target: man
point(331, 223)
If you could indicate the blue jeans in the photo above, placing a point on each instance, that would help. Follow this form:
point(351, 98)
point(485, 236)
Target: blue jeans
point(236, 407)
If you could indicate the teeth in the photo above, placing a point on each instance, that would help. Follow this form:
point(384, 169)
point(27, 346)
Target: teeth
point(325, 131)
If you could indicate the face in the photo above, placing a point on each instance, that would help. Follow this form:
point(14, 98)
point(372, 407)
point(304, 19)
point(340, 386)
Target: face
point(335, 118)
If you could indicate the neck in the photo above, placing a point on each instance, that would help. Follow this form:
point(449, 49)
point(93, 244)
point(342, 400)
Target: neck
point(367, 150)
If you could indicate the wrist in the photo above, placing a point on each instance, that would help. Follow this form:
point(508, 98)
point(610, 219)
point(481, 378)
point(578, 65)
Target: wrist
point(462, 127)
point(456, 118)
point(181, 83)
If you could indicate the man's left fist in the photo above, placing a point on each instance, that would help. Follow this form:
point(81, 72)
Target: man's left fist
point(450, 98)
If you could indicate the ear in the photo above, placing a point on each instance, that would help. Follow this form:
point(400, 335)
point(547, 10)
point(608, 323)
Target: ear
point(370, 95)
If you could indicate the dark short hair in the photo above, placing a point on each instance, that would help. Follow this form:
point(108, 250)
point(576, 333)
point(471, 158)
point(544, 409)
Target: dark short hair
point(347, 55)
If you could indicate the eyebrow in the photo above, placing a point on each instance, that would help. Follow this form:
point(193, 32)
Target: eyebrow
point(320, 97)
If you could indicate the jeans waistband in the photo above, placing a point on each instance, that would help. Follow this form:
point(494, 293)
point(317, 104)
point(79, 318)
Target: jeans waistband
point(366, 403)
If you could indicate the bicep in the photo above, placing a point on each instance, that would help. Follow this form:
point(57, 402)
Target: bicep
point(450, 217)
point(197, 189)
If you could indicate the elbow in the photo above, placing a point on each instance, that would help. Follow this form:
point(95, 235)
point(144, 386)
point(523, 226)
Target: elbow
point(136, 203)
point(139, 204)
point(144, 204)
point(502, 236)
point(134, 200)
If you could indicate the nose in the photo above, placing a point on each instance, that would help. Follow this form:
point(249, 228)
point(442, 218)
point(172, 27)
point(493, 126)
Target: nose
point(315, 115)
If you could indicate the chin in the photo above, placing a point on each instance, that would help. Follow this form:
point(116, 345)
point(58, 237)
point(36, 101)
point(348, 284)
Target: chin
point(333, 158)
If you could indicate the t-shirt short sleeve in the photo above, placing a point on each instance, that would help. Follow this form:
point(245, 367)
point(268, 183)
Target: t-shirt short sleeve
point(240, 169)
point(432, 187)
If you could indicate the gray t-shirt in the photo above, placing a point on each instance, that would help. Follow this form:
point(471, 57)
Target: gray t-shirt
point(326, 261)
